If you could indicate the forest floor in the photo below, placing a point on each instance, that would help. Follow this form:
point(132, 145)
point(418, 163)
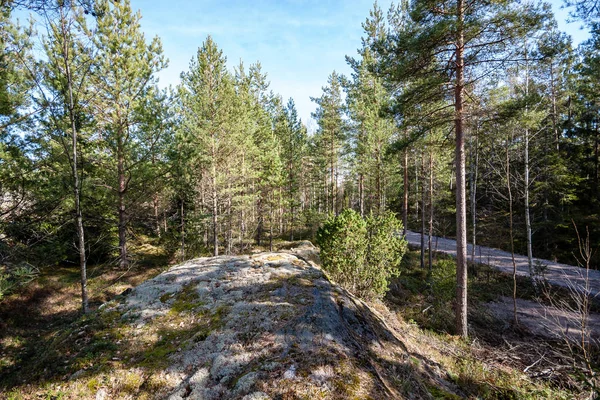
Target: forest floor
point(538, 347)
point(47, 350)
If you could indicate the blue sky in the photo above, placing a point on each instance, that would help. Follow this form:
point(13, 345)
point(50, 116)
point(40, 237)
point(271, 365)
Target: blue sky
point(298, 42)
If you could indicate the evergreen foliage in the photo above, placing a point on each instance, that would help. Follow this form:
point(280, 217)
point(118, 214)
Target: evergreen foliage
point(362, 254)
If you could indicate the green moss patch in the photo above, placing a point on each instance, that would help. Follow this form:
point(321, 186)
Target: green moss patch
point(187, 299)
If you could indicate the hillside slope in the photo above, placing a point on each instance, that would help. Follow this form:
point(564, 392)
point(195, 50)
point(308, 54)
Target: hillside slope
point(268, 325)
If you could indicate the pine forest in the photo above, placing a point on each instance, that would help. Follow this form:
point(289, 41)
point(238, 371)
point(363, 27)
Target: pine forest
point(471, 121)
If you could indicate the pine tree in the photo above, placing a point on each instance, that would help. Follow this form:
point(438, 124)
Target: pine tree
point(209, 107)
point(293, 139)
point(443, 44)
point(368, 101)
point(331, 134)
point(124, 79)
point(66, 76)
point(17, 169)
point(268, 161)
point(372, 134)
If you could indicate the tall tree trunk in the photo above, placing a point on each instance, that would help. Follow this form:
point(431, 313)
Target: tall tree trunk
point(259, 228)
point(473, 187)
point(156, 218)
point(242, 234)
point(361, 194)
point(423, 190)
point(405, 199)
point(527, 214)
point(229, 221)
point(206, 208)
point(332, 162)
point(596, 159)
point(215, 208)
point(461, 205)
point(526, 178)
point(164, 221)
point(336, 192)
point(430, 231)
point(155, 206)
point(416, 190)
point(511, 232)
point(123, 259)
point(74, 157)
point(182, 216)
point(292, 220)
point(280, 213)
point(554, 110)
point(383, 192)
point(271, 222)
point(378, 183)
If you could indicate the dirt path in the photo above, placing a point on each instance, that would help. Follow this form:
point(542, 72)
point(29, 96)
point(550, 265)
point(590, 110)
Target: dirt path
point(556, 273)
point(546, 321)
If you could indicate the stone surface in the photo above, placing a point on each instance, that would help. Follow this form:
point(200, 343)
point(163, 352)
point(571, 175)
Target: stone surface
point(271, 325)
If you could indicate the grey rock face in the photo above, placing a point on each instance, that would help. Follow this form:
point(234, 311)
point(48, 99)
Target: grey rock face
point(265, 325)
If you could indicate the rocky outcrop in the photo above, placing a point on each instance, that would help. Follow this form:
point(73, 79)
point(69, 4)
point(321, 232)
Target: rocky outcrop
point(267, 326)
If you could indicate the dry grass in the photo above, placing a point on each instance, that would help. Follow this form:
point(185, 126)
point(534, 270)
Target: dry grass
point(500, 360)
point(35, 320)
point(48, 351)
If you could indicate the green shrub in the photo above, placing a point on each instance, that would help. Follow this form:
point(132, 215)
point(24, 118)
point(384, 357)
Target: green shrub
point(16, 276)
point(362, 254)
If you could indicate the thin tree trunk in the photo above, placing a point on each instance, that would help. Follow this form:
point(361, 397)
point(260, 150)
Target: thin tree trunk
point(361, 195)
point(271, 223)
point(511, 233)
point(423, 190)
point(123, 260)
point(405, 200)
point(430, 208)
point(336, 192)
point(416, 190)
point(74, 157)
point(527, 214)
point(229, 221)
point(383, 192)
point(292, 220)
point(461, 208)
point(182, 215)
point(259, 228)
point(215, 209)
point(596, 160)
point(243, 205)
point(292, 193)
point(205, 208)
point(554, 110)
point(332, 173)
point(280, 212)
point(473, 187)
point(526, 172)
point(378, 185)
point(156, 218)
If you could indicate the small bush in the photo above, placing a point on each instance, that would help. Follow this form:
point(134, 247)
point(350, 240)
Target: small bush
point(15, 277)
point(362, 254)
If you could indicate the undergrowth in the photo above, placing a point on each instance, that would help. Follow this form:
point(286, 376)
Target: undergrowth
point(491, 364)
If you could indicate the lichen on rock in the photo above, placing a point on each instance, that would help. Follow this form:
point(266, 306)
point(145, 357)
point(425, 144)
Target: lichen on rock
point(263, 326)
